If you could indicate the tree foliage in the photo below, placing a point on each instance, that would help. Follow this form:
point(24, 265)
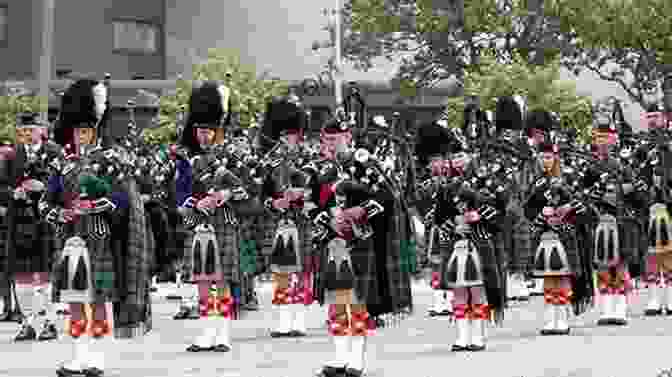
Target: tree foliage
point(13, 101)
point(624, 41)
point(250, 92)
point(541, 86)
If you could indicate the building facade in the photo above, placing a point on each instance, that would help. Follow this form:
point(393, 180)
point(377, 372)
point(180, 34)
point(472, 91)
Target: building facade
point(125, 38)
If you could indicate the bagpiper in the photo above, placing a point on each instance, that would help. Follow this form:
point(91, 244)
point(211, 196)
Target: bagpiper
point(555, 213)
point(207, 195)
point(656, 165)
point(615, 192)
point(29, 239)
point(288, 197)
point(466, 222)
point(98, 216)
point(360, 232)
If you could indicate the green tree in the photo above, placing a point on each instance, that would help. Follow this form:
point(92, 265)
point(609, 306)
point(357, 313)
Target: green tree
point(439, 39)
point(623, 41)
point(541, 86)
point(250, 92)
point(13, 101)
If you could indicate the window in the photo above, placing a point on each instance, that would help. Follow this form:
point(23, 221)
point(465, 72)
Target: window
point(4, 22)
point(136, 37)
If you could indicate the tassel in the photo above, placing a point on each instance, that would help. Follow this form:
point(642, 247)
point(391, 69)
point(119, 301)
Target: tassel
point(331, 276)
point(198, 260)
point(600, 246)
point(539, 264)
point(290, 253)
point(210, 258)
point(471, 273)
point(62, 273)
point(555, 260)
point(80, 281)
point(278, 251)
point(611, 245)
point(664, 237)
point(452, 274)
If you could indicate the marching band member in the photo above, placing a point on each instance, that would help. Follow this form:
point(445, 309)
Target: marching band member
point(656, 172)
point(98, 217)
point(30, 240)
point(554, 213)
point(466, 222)
point(518, 170)
point(206, 192)
point(361, 237)
point(287, 194)
point(616, 234)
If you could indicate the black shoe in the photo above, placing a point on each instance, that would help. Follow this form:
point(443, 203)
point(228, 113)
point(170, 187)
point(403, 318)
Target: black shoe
point(445, 313)
point(668, 311)
point(432, 313)
point(618, 322)
point(604, 322)
point(195, 348)
point(12, 316)
point(297, 334)
point(458, 348)
point(277, 334)
point(93, 372)
point(26, 333)
point(328, 371)
point(475, 348)
point(182, 314)
point(221, 348)
point(349, 372)
point(653, 312)
point(48, 332)
point(65, 372)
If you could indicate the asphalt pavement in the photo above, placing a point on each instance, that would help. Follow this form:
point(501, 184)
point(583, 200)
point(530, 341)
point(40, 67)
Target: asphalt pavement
point(418, 347)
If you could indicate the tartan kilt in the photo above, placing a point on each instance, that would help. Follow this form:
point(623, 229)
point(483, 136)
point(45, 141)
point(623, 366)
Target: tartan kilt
point(522, 250)
point(307, 255)
point(570, 242)
point(365, 279)
point(102, 267)
point(228, 236)
point(630, 236)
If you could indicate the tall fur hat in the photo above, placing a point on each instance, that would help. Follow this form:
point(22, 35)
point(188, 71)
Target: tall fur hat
point(508, 114)
point(283, 114)
point(431, 140)
point(78, 110)
point(209, 106)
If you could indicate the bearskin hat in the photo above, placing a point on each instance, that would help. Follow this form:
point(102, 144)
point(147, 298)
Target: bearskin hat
point(539, 119)
point(354, 192)
point(208, 107)
point(78, 109)
point(508, 115)
point(431, 140)
point(282, 115)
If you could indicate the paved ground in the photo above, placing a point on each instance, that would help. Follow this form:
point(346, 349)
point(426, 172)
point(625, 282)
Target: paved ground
point(420, 347)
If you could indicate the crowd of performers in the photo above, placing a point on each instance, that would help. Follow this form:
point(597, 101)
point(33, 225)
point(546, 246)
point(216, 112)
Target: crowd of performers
point(91, 220)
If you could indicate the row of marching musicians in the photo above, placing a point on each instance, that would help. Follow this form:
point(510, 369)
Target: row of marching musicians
point(507, 196)
point(514, 195)
point(90, 217)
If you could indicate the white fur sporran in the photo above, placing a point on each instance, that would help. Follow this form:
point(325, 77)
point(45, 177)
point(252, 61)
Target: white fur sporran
point(204, 246)
point(660, 229)
point(606, 247)
point(288, 234)
point(464, 265)
point(550, 258)
point(75, 250)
